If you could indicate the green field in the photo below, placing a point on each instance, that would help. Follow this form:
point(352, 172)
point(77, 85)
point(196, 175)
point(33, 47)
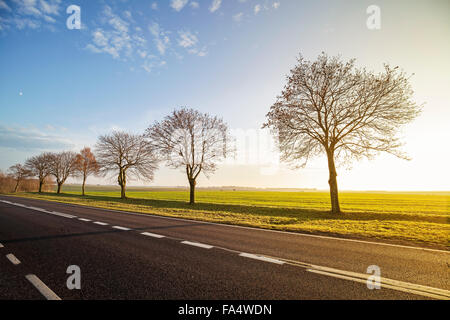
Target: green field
point(403, 217)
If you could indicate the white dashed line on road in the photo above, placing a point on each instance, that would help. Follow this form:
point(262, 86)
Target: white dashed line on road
point(101, 223)
point(83, 219)
point(1, 246)
point(42, 288)
point(154, 235)
point(261, 258)
point(64, 215)
point(197, 244)
point(121, 228)
point(13, 259)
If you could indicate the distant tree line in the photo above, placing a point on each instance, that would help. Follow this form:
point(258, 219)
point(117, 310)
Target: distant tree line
point(328, 107)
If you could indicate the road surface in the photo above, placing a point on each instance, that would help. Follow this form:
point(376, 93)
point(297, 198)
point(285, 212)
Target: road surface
point(136, 256)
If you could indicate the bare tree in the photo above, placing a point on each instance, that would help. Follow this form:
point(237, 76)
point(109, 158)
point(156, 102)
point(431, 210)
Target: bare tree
point(40, 167)
point(128, 154)
point(19, 172)
point(191, 140)
point(330, 106)
point(86, 165)
point(62, 165)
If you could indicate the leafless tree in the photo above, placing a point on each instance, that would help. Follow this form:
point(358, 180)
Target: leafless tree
point(128, 154)
point(40, 167)
point(62, 165)
point(332, 107)
point(191, 140)
point(19, 172)
point(86, 165)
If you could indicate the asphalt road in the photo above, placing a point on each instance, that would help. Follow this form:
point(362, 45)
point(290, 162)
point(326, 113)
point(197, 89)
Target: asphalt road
point(135, 256)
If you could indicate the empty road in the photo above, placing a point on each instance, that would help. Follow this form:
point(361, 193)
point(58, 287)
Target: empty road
point(137, 256)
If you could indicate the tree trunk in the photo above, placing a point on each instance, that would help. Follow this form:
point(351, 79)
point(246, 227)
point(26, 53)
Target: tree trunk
point(17, 186)
point(82, 187)
point(335, 207)
point(59, 188)
point(41, 182)
point(192, 184)
point(122, 191)
point(122, 179)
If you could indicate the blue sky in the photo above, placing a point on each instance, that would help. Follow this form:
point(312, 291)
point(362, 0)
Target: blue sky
point(132, 62)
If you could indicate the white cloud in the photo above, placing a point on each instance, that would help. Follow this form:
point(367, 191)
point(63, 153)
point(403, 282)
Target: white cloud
point(257, 9)
point(4, 6)
point(23, 23)
point(31, 139)
point(187, 39)
point(50, 7)
point(194, 4)
point(115, 38)
point(160, 36)
point(199, 52)
point(142, 53)
point(178, 5)
point(276, 5)
point(154, 6)
point(30, 13)
point(238, 17)
point(215, 5)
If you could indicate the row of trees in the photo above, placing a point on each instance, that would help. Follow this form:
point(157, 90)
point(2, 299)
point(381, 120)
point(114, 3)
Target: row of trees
point(58, 165)
point(328, 107)
point(185, 139)
point(8, 183)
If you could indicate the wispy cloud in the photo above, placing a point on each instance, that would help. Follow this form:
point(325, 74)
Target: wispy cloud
point(116, 38)
point(215, 5)
point(190, 42)
point(30, 139)
point(257, 9)
point(187, 39)
point(178, 5)
point(238, 17)
point(161, 37)
point(32, 14)
point(4, 6)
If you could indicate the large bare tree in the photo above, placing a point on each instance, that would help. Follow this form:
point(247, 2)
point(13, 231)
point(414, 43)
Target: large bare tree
point(191, 140)
point(332, 107)
point(40, 167)
point(128, 155)
point(86, 165)
point(62, 165)
point(19, 172)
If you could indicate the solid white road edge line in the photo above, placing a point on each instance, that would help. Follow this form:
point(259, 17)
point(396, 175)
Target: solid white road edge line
point(121, 228)
point(1, 246)
point(262, 258)
point(386, 281)
point(42, 288)
point(197, 244)
point(416, 292)
point(154, 235)
point(13, 259)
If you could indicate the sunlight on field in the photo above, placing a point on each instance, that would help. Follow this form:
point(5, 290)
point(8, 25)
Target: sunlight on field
point(417, 217)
